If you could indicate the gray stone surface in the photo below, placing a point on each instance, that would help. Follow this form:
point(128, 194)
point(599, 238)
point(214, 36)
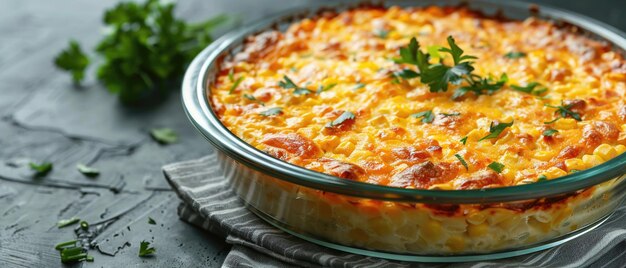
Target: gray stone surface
point(43, 117)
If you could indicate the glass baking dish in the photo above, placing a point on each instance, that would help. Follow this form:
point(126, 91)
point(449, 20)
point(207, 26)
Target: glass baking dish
point(398, 223)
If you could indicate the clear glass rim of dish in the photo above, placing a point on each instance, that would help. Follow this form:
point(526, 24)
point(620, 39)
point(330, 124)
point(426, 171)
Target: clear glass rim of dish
point(196, 105)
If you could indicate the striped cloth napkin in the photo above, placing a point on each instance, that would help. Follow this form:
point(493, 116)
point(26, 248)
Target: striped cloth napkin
point(208, 203)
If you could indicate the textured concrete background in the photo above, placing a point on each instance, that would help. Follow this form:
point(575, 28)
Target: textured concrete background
point(42, 117)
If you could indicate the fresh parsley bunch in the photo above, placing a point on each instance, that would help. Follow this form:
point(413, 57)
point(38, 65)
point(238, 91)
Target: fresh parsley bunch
point(145, 51)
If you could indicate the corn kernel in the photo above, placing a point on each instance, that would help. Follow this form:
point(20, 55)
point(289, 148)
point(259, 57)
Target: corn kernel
point(544, 155)
point(575, 163)
point(431, 231)
point(605, 151)
point(476, 218)
point(554, 172)
point(456, 243)
point(345, 148)
point(327, 143)
point(477, 230)
point(565, 123)
point(620, 149)
point(592, 160)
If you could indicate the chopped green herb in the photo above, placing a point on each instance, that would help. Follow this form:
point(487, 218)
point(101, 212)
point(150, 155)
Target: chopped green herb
point(564, 111)
point(450, 114)
point(64, 223)
point(342, 118)
point(494, 131)
point(235, 85)
point(272, 111)
point(550, 132)
point(321, 88)
point(382, 34)
point(427, 116)
point(405, 74)
point(497, 167)
point(480, 86)
point(151, 221)
point(231, 75)
point(530, 88)
point(73, 60)
point(463, 140)
point(84, 225)
point(41, 169)
point(462, 161)
point(542, 178)
point(62, 245)
point(574, 170)
point(287, 83)
point(87, 171)
point(145, 249)
point(552, 121)
point(515, 55)
point(89, 258)
point(252, 98)
point(164, 135)
point(358, 86)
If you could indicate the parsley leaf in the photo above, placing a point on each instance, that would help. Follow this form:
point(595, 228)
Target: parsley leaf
point(358, 86)
point(164, 135)
point(252, 98)
point(495, 131)
point(497, 167)
point(41, 169)
point(462, 161)
point(235, 85)
point(342, 118)
point(151, 221)
point(550, 132)
point(272, 111)
point(87, 171)
point(64, 223)
point(542, 178)
point(382, 34)
point(73, 60)
point(515, 55)
point(145, 249)
point(321, 88)
point(463, 140)
point(427, 116)
point(450, 114)
point(71, 252)
point(287, 83)
point(405, 74)
point(564, 111)
point(530, 88)
point(481, 86)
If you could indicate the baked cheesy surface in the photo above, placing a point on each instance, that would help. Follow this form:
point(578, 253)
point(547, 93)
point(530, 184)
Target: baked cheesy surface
point(329, 94)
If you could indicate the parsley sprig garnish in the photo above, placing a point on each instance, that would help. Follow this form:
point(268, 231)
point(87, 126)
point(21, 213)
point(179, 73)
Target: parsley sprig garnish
point(530, 88)
point(41, 169)
point(287, 83)
point(347, 115)
point(497, 167)
point(439, 76)
point(145, 249)
point(460, 158)
point(427, 116)
point(564, 111)
point(272, 111)
point(496, 130)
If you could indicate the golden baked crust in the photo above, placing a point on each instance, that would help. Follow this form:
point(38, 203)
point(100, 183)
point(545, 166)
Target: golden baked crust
point(345, 63)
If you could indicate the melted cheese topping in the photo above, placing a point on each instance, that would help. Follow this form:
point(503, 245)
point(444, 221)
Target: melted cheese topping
point(346, 61)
